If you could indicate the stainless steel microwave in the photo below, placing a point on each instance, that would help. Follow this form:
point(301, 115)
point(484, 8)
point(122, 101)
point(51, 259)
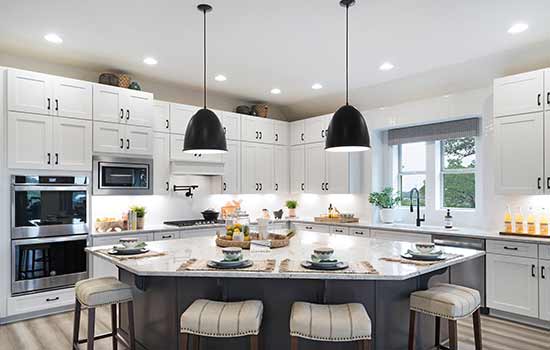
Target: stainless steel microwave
point(122, 176)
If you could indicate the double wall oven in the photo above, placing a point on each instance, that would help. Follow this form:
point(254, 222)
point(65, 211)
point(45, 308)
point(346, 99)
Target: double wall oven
point(49, 232)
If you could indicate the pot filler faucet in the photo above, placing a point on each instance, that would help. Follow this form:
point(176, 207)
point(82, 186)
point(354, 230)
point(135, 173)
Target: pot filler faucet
point(418, 219)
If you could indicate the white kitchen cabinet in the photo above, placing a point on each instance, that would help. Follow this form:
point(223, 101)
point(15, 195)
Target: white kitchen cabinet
point(544, 290)
point(161, 163)
point(256, 168)
point(316, 128)
point(310, 227)
point(281, 172)
point(339, 230)
point(297, 132)
point(72, 144)
point(281, 132)
point(519, 154)
point(519, 94)
point(40, 301)
point(72, 98)
point(232, 168)
point(200, 232)
point(359, 232)
point(179, 117)
point(339, 169)
point(45, 142)
point(139, 108)
point(399, 236)
point(547, 89)
point(29, 92)
point(122, 139)
point(126, 106)
point(297, 169)
point(161, 236)
point(231, 123)
point(315, 168)
point(161, 116)
point(513, 284)
point(177, 153)
point(256, 129)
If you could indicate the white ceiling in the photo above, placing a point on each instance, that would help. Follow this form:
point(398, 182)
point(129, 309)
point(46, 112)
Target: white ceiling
point(260, 44)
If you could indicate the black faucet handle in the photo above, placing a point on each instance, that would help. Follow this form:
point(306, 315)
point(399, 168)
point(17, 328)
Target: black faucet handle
point(423, 217)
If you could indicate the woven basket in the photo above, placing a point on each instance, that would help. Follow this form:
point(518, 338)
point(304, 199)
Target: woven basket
point(124, 80)
point(108, 79)
point(277, 241)
point(260, 110)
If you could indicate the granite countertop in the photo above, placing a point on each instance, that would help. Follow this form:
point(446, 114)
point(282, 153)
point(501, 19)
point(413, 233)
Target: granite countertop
point(155, 228)
point(349, 248)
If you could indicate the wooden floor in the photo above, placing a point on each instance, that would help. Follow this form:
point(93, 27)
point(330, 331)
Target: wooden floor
point(55, 333)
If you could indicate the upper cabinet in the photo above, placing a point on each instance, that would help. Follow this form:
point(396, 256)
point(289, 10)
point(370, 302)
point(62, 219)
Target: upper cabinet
point(231, 123)
point(161, 164)
point(281, 170)
point(521, 93)
point(297, 169)
point(180, 115)
point(161, 116)
point(281, 131)
point(256, 129)
point(316, 129)
point(45, 94)
point(232, 168)
point(256, 168)
point(117, 105)
point(297, 132)
point(122, 139)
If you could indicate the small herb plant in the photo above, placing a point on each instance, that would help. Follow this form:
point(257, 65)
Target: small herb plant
point(140, 211)
point(291, 204)
point(385, 199)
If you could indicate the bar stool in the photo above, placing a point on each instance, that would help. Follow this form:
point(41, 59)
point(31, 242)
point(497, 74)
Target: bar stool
point(207, 318)
point(330, 323)
point(95, 292)
point(450, 302)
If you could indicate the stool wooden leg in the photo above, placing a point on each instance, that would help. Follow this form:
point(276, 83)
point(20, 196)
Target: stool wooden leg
point(453, 335)
point(183, 340)
point(91, 328)
point(132, 344)
point(437, 331)
point(196, 342)
point(412, 324)
point(76, 327)
point(293, 343)
point(114, 329)
point(253, 342)
point(364, 344)
point(477, 329)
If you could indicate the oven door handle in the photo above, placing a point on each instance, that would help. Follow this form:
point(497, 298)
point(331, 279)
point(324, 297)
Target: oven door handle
point(18, 188)
point(18, 242)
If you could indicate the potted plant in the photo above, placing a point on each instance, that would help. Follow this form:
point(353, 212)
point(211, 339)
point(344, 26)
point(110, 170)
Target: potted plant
point(140, 214)
point(386, 201)
point(291, 205)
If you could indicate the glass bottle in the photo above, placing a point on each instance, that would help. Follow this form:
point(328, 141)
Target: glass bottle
point(519, 221)
point(531, 226)
point(543, 222)
point(508, 220)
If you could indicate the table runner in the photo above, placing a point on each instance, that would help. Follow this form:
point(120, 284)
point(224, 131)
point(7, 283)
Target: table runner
point(149, 254)
point(267, 265)
point(361, 267)
point(402, 260)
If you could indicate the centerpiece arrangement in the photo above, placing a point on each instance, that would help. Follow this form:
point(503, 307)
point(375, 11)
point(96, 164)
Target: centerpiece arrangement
point(386, 201)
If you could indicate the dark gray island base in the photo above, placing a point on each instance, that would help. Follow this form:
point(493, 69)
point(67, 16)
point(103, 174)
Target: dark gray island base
point(160, 301)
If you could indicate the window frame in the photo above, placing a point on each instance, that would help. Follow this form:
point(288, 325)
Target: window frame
point(400, 173)
point(442, 171)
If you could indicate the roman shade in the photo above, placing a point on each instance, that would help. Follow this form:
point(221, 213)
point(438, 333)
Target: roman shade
point(434, 132)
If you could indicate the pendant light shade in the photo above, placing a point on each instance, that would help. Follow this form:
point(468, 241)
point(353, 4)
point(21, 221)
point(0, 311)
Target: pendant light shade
point(204, 133)
point(347, 131)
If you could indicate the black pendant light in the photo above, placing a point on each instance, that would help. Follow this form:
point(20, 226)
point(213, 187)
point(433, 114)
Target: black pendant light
point(347, 131)
point(204, 132)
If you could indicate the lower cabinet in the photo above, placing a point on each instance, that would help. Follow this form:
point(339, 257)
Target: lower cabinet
point(399, 236)
point(339, 230)
point(311, 227)
point(513, 284)
point(40, 301)
point(544, 290)
point(200, 232)
point(160, 236)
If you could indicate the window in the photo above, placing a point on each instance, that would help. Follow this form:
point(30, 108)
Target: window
point(411, 170)
point(458, 163)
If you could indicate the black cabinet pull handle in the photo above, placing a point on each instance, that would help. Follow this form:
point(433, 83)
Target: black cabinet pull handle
point(49, 103)
point(538, 183)
point(260, 135)
point(302, 137)
point(303, 187)
point(510, 248)
point(276, 137)
point(127, 114)
point(257, 186)
point(166, 236)
point(52, 299)
point(548, 98)
point(533, 267)
point(200, 154)
point(358, 232)
point(538, 99)
point(122, 113)
point(56, 158)
point(167, 186)
point(225, 186)
point(261, 187)
point(322, 186)
point(167, 124)
point(49, 158)
point(224, 130)
point(257, 135)
point(326, 186)
point(127, 143)
point(323, 134)
point(276, 187)
point(542, 272)
point(548, 182)
point(56, 104)
point(121, 143)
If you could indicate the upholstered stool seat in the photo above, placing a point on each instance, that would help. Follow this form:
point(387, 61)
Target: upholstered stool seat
point(448, 301)
point(102, 291)
point(217, 319)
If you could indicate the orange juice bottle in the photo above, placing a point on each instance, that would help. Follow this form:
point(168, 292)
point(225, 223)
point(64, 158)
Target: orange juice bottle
point(531, 226)
point(508, 220)
point(543, 223)
point(519, 221)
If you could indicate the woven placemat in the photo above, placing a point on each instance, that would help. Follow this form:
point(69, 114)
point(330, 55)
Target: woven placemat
point(402, 260)
point(149, 254)
point(361, 267)
point(267, 265)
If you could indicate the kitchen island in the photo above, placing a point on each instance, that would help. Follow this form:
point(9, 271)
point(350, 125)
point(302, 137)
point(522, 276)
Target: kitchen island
point(164, 290)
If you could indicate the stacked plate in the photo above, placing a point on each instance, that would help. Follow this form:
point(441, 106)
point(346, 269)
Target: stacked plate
point(326, 264)
point(434, 255)
point(121, 250)
point(230, 264)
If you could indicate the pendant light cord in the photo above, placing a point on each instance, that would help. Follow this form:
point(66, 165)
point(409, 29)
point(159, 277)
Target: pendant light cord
point(204, 59)
point(347, 59)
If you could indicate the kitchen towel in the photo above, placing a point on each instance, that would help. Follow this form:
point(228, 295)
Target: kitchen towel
point(267, 265)
point(361, 267)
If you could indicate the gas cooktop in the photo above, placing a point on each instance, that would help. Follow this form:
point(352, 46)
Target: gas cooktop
point(183, 223)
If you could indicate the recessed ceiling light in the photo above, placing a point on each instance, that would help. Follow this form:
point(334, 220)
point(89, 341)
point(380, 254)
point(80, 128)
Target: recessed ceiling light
point(53, 38)
point(275, 91)
point(150, 61)
point(518, 28)
point(220, 77)
point(386, 66)
point(316, 86)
